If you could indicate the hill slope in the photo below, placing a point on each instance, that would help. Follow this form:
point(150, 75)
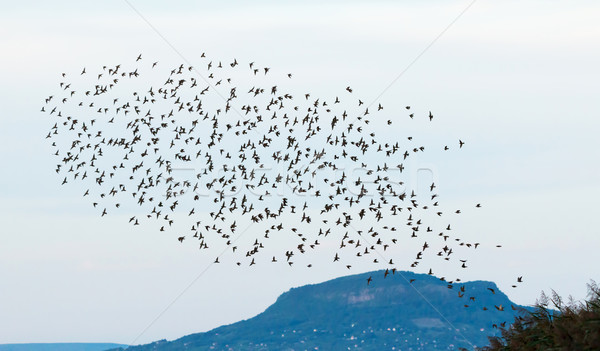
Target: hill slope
point(74, 346)
point(346, 313)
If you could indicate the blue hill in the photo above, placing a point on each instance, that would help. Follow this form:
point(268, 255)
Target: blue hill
point(346, 313)
point(75, 346)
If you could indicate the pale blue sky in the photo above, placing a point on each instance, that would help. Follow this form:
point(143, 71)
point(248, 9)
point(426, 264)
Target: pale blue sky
point(517, 80)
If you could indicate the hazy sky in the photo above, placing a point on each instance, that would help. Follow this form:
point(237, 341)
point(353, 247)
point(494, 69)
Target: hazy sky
point(517, 80)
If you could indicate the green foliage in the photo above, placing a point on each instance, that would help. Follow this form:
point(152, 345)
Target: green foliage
point(573, 326)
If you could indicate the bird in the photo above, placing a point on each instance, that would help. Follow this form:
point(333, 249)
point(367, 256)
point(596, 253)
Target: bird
point(270, 157)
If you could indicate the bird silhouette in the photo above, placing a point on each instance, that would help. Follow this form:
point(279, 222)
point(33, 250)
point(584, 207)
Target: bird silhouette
point(196, 149)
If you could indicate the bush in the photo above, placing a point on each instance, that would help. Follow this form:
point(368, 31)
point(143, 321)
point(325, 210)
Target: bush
point(570, 326)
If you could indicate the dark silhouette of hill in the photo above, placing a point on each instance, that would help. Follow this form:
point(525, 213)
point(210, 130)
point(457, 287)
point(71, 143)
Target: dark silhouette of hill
point(346, 312)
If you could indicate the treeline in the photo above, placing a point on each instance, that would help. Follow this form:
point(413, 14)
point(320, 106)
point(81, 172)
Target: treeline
point(554, 325)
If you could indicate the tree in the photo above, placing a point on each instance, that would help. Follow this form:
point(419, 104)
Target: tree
point(570, 326)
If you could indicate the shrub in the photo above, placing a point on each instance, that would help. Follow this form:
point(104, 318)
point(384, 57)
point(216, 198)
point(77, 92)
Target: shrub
point(566, 326)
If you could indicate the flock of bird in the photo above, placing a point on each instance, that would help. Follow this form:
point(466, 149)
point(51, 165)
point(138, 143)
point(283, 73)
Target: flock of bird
point(196, 148)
